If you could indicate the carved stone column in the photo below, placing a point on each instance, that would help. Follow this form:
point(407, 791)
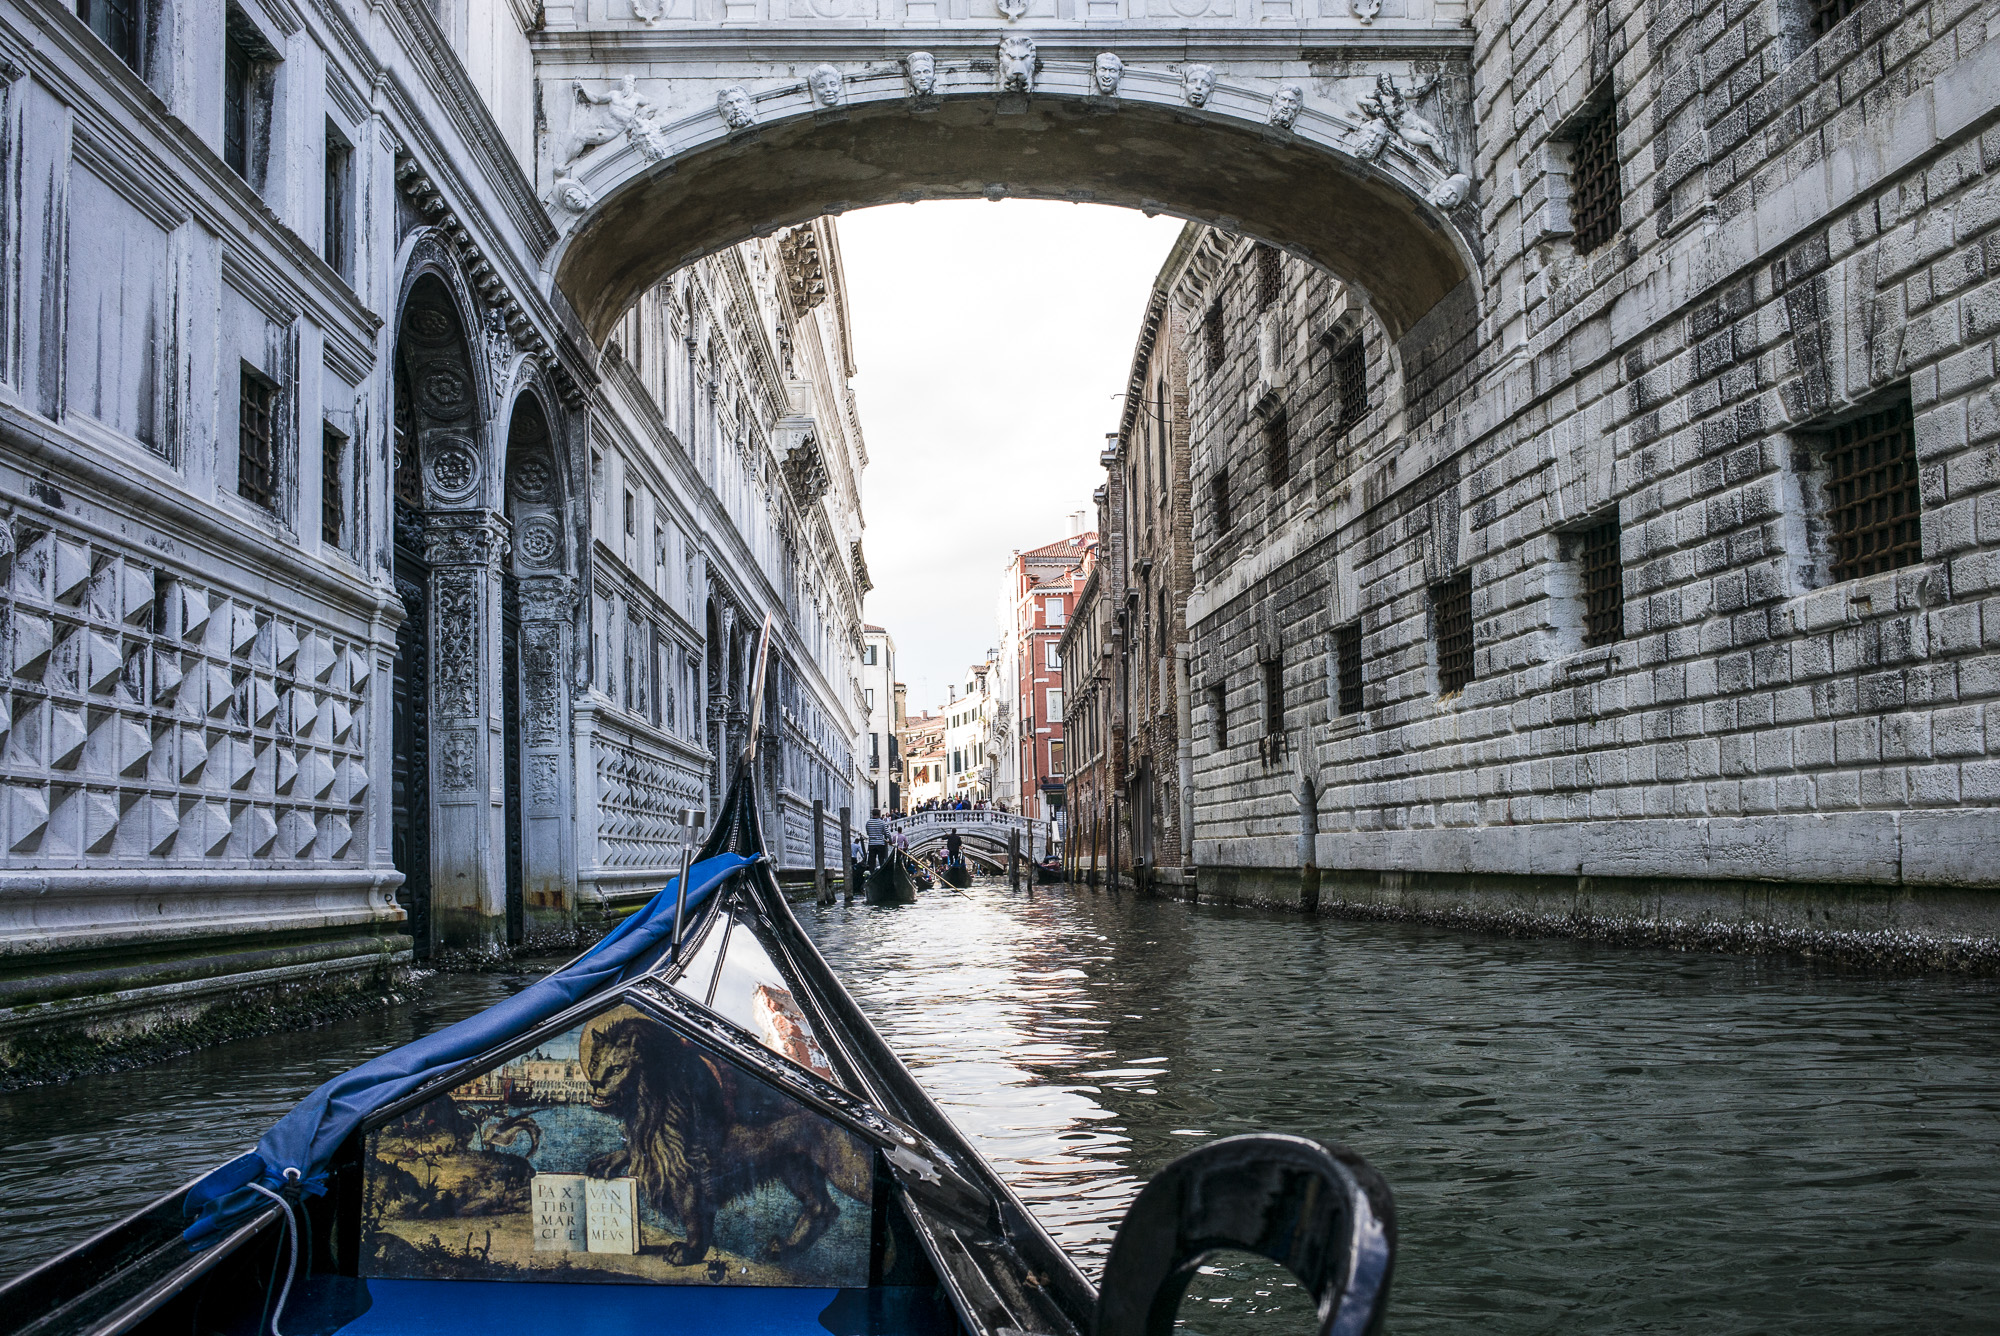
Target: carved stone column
point(468, 878)
point(548, 856)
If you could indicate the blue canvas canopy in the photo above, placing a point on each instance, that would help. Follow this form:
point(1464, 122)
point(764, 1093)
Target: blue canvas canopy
point(306, 1139)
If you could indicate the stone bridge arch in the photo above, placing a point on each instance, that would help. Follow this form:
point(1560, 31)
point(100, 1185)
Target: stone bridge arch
point(1355, 157)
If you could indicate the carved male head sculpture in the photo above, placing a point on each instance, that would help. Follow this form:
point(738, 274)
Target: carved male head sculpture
point(1451, 192)
point(825, 81)
point(1286, 103)
point(734, 104)
point(1106, 72)
point(1017, 64)
point(1197, 82)
point(921, 67)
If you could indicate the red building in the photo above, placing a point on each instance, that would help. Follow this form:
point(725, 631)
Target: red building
point(1043, 584)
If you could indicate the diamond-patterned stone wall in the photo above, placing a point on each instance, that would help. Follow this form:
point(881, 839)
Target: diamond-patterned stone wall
point(150, 719)
point(640, 799)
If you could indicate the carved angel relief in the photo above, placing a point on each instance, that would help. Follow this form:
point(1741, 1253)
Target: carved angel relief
point(627, 112)
point(1389, 114)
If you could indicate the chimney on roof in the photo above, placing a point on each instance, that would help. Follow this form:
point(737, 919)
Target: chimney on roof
point(1075, 523)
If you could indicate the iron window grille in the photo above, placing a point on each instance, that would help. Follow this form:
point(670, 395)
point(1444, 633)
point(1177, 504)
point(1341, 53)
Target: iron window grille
point(1278, 448)
point(1872, 493)
point(1274, 696)
point(1218, 490)
point(1218, 713)
point(1270, 275)
point(1451, 614)
point(256, 472)
point(1350, 377)
point(1347, 666)
point(1827, 13)
point(1603, 585)
point(1593, 184)
point(330, 510)
point(1211, 334)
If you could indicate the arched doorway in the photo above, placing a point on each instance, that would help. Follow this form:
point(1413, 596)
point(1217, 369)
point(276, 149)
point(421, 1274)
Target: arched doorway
point(410, 788)
point(538, 600)
point(446, 544)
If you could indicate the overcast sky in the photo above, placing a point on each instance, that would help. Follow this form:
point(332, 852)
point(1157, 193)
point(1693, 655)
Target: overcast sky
point(993, 340)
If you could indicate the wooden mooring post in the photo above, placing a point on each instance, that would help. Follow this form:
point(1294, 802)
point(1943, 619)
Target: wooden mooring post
point(822, 888)
point(847, 850)
point(1013, 860)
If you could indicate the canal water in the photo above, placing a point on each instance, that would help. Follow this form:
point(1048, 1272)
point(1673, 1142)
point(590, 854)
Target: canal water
point(1579, 1138)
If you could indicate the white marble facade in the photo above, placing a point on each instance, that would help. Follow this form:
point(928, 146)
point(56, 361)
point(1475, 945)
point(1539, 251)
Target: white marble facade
point(327, 631)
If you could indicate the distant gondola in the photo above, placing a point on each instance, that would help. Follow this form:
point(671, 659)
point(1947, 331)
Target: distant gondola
point(889, 884)
point(689, 1128)
point(957, 872)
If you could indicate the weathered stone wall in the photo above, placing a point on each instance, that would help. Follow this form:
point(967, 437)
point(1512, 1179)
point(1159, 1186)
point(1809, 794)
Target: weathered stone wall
point(1809, 229)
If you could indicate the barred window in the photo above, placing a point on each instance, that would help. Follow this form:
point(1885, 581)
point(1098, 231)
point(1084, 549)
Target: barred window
point(1218, 715)
point(332, 449)
point(236, 74)
point(1274, 695)
point(256, 472)
point(1350, 379)
point(1603, 585)
point(1270, 275)
point(1872, 493)
point(1451, 616)
point(1593, 179)
point(1347, 666)
point(1278, 448)
point(1211, 334)
point(1827, 13)
point(1218, 492)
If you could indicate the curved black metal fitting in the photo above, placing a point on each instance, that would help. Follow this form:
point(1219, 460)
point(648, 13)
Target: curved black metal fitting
point(1319, 1211)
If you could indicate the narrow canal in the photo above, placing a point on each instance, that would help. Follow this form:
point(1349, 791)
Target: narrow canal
point(1579, 1138)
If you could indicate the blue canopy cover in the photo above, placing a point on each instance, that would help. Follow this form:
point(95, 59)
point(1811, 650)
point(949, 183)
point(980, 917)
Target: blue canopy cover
point(306, 1138)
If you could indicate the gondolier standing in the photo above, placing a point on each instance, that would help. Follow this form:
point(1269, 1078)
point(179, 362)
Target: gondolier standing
point(878, 837)
point(951, 845)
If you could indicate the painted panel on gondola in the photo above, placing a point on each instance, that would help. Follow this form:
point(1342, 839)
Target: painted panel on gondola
point(618, 1152)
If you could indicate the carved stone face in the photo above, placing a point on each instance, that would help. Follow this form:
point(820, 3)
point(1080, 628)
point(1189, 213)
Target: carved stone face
point(825, 81)
point(734, 104)
point(1197, 82)
point(1451, 192)
point(1286, 104)
point(921, 66)
point(1017, 64)
point(1106, 73)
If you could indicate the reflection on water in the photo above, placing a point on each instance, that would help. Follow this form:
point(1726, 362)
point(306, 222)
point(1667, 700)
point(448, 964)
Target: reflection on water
point(1579, 1138)
point(92, 1151)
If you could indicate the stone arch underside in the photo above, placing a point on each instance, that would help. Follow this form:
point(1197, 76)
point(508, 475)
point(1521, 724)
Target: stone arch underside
point(1345, 215)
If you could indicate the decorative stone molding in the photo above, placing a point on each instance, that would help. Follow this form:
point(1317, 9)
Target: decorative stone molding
point(805, 274)
point(454, 468)
point(861, 580)
point(805, 471)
